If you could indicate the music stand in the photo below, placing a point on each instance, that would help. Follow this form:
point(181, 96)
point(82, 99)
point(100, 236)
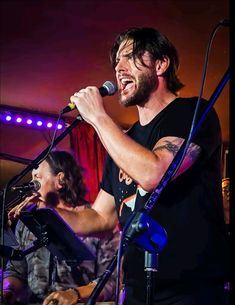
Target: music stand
point(55, 234)
point(9, 237)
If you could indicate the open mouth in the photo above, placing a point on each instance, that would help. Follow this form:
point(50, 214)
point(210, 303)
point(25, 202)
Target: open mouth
point(126, 84)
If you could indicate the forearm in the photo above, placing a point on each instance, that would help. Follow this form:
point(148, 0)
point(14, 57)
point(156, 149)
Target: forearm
point(86, 222)
point(143, 165)
point(131, 157)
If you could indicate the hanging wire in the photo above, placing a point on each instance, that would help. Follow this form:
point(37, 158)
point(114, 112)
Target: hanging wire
point(174, 166)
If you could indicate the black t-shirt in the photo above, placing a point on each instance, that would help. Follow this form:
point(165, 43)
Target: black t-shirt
point(189, 208)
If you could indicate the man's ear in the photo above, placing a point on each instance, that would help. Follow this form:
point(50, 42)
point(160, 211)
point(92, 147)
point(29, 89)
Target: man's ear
point(162, 65)
point(60, 180)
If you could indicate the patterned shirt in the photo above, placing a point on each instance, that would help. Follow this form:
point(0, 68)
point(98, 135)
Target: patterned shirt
point(43, 273)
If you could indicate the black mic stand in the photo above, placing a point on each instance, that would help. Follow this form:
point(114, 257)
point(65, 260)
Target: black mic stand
point(34, 164)
point(150, 267)
point(30, 167)
point(102, 281)
point(148, 234)
point(135, 228)
point(145, 232)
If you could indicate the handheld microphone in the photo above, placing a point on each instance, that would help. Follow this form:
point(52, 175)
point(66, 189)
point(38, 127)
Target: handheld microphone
point(33, 185)
point(108, 88)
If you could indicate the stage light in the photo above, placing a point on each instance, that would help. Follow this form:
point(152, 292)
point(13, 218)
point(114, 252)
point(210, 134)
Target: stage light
point(22, 117)
point(8, 118)
point(18, 119)
point(39, 123)
point(49, 124)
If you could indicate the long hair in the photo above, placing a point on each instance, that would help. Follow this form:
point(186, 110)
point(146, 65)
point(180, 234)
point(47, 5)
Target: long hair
point(158, 45)
point(73, 190)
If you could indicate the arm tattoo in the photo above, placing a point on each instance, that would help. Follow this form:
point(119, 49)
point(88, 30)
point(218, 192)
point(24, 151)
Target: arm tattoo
point(171, 147)
point(192, 153)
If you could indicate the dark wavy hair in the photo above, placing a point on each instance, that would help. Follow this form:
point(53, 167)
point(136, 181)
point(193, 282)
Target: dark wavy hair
point(158, 45)
point(73, 190)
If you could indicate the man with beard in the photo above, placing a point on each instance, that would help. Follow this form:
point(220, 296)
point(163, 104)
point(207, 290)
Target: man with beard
point(192, 267)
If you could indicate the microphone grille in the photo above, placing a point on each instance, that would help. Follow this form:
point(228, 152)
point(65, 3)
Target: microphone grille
point(36, 184)
point(111, 87)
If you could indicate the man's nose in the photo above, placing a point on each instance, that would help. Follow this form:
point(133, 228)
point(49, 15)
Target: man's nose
point(121, 65)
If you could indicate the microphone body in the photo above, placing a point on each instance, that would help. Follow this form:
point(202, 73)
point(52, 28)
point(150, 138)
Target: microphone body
point(33, 185)
point(108, 88)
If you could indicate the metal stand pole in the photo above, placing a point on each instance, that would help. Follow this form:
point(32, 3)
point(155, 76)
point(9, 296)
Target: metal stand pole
point(151, 267)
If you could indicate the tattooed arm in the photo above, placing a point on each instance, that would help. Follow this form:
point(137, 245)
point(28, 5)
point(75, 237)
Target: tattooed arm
point(167, 148)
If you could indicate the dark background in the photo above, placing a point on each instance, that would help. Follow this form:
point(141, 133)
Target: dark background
point(50, 49)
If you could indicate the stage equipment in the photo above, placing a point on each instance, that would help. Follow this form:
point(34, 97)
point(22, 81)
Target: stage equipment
point(134, 225)
point(52, 232)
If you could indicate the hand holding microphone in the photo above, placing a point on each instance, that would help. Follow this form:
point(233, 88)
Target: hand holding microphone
point(88, 101)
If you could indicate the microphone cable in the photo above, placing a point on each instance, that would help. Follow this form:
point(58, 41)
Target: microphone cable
point(183, 150)
point(194, 128)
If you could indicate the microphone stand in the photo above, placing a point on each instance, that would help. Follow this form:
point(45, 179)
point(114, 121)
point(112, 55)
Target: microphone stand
point(30, 167)
point(134, 225)
point(141, 224)
point(34, 163)
point(150, 267)
point(102, 281)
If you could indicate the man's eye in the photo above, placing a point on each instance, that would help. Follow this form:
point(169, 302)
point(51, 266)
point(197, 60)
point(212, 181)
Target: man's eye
point(129, 56)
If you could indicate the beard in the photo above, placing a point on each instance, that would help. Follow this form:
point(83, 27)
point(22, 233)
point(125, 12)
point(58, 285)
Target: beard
point(147, 83)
